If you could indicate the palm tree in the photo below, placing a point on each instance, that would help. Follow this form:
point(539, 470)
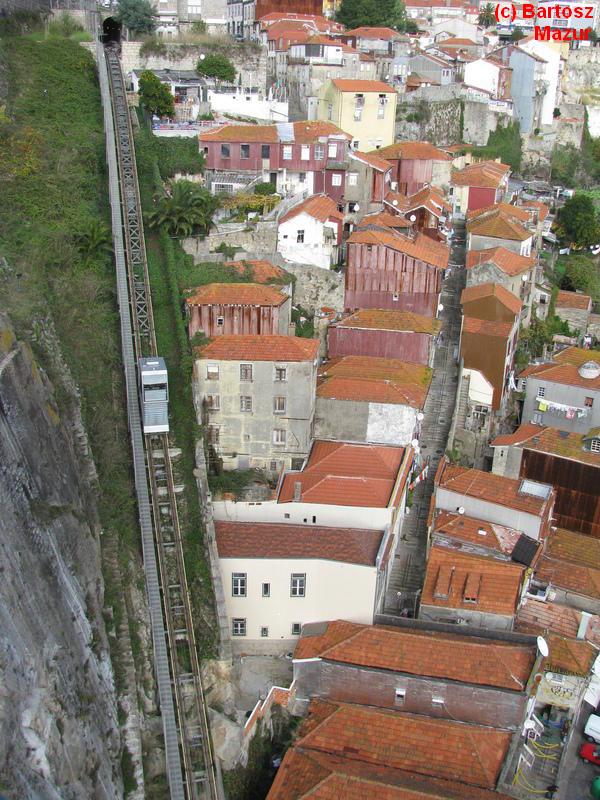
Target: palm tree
point(487, 16)
point(94, 240)
point(188, 209)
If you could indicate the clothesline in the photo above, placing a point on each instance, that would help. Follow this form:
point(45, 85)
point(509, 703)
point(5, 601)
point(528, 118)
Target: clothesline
point(570, 412)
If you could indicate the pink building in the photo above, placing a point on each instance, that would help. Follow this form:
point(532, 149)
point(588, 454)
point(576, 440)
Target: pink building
point(416, 165)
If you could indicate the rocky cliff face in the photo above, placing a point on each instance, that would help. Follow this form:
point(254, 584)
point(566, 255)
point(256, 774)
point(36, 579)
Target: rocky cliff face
point(59, 736)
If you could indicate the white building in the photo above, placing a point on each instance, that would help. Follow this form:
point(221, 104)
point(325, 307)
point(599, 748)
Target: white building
point(311, 233)
point(550, 74)
point(278, 577)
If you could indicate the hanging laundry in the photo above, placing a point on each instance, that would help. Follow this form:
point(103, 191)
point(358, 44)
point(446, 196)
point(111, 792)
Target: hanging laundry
point(543, 406)
point(570, 413)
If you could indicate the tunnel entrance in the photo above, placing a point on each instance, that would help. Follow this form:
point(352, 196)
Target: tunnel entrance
point(111, 31)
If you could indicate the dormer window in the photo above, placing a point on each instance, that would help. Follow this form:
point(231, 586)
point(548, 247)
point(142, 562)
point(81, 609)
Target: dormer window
point(595, 445)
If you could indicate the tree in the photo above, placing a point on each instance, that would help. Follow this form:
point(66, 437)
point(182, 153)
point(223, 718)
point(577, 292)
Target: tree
point(138, 16)
point(265, 188)
point(487, 16)
point(155, 95)
point(386, 13)
point(517, 34)
point(582, 273)
point(94, 240)
point(217, 66)
point(188, 210)
point(565, 164)
point(505, 144)
point(578, 221)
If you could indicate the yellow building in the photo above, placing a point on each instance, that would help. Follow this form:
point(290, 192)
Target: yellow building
point(364, 109)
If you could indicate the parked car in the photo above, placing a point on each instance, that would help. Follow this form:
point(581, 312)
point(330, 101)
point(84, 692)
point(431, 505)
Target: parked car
point(592, 729)
point(590, 752)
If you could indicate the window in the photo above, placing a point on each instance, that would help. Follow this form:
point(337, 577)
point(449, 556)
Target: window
point(245, 151)
point(353, 208)
point(266, 590)
point(400, 694)
point(213, 434)
point(356, 144)
point(279, 436)
point(329, 112)
point(298, 584)
point(319, 152)
point(541, 392)
point(273, 466)
point(353, 179)
point(212, 372)
point(280, 374)
point(336, 179)
point(225, 152)
point(296, 628)
point(238, 627)
point(213, 401)
point(381, 106)
point(305, 152)
point(245, 403)
point(247, 437)
point(265, 151)
point(595, 445)
point(245, 372)
point(300, 237)
point(279, 405)
point(287, 152)
point(220, 321)
point(588, 402)
point(238, 584)
point(302, 177)
point(264, 632)
point(332, 150)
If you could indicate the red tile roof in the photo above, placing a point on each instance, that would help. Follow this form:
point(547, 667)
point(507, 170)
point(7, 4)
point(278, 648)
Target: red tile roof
point(374, 380)
point(362, 87)
point(374, 33)
point(274, 540)
point(432, 654)
point(565, 369)
point(508, 262)
point(572, 562)
point(541, 208)
point(483, 175)
point(522, 434)
point(454, 41)
point(373, 159)
point(420, 151)
point(260, 348)
point(491, 488)
point(305, 132)
point(421, 249)
point(480, 290)
point(310, 775)
point(519, 214)
point(344, 474)
point(573, 300)
point(569, 656)
point(261, 271)
point(460, 581)
point(499, 226)
point(484, 327)
point(384, 219)
point(319, 206)
point(476, 531)
point(236, 294)
point(390, 320)
point(562, 444)
point(439, 748)
point(541, 616)
point(310, 131)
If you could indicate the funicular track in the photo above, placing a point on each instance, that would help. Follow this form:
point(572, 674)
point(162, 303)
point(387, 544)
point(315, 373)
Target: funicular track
point(188, 749)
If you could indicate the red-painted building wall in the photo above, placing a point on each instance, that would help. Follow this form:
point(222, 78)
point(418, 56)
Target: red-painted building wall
point(264, 7)
point(405, 345)
point(380, 277)
point(222, 155)
point(481, 198)
point(414, 174)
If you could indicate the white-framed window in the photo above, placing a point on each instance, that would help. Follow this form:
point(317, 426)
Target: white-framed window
point(329, 112)
point(336, 179)
point(264, 631)
point(332, 150)
point(296, 628)
point(279, 405)
point(238, 626)
point(319, 152)
point(353, 179)
point(287, 152)
point(244, 151)
point(212, 372)
point(305, 152)
point(245, 372)
point(213, 402)
point(588, 402)
point(300, 236)
point(381, 106)
point(356, 144)
point(298, 584)
point(279, 436)
point(225, 151)
point(245, 403)
point(595, 445)
point(541, 392)
point(399, 696)
point(220, 322)
point(280, 374)
point(238, 584)
point(266, 590)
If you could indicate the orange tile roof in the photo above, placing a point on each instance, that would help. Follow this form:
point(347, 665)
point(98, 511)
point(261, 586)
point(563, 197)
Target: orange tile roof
point(430, 197)
point(508, 262)
point(452, 41)
point(422, 248)
point(491, 488)
point(259, 348)
point(541, 208)
point(562, 444)
point(520, 214)
point(499, 226)
point(472, 754)
point(344, 474)
point(363, 87)
point(483, 175)
point(374, 33)
point(523, 432)
point(374, 160)
point(540, 616)
point(319, 206)
point(565, 369)
point(476, 531)
point(309, 131)
point(311, 775)
point(386, 220)
point(480, 290)
point(421, 151)
point(573, 300)
point(452, 577)
point(241, 133)
point(572, 562)
point(390, 320)
point(567, 655)
point(484, 327)
point(449, 656)
point(236, 294)
point(262, 271)
point(278, 540)
point(374, 380)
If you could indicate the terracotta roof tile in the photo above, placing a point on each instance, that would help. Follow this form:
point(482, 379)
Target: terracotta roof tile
point(568, 655)
point(484, 327)
point(476, 531)
point(541, 616)
point(439, 748)
point(390, 320)
point(520, 214)
point(421, 151)
point(573, 300)
point(273, 540)
point(241, 133)
point(491, 488)
point(374, 33)
point(565, 369)
point(386, 220)
point(236, 294)
point(259, 348)
point(262, 271)
point(508, 262)
point(340, 473)
point(319, 206)
point(374, 380)
point(522, 434)
point(373, 159)
point(422, 248)
point(449, 656)
point(572, 562)
point(562, 444)
point(541, 208)
point(363, 87)
point(310, 131)
point(453, 577)
point(499, 226)
point(480, 290)
point(457, 41)
point(483, 175)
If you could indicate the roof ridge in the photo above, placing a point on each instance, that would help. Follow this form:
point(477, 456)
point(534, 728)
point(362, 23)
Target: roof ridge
point(348, 638)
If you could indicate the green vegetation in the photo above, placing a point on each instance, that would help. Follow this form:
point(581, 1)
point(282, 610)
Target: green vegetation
point(155, 96)
point(505, 144)
point(538, 335)
point(386, 13)
point(517, 34)
point(216, 66)
point(487, 16)
point(577, 167)
point(305, 322)
point(188, 210)
point(578, 222)
point(265, 188)
point(566, 160)
point(67, 26)
point(234, 482)
point(138, 16)
point(580, 273)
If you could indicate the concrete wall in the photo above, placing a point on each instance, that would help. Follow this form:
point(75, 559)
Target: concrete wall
point(478, 242)
point(260, 239)
point(475, 619)
point(573, 396)
point(346, 683)
point(507, 461)
point(576, 317)
point(584, 73)
point(490, 512)
point(381, 423)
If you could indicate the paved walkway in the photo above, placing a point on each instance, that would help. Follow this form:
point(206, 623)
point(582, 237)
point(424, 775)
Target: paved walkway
point(408, 568)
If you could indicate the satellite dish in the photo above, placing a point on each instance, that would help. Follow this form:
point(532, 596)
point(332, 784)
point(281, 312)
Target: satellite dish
point(524, 278)
point(440, 307)
point(420, 416)
point(413, 218)
point(356, 207)
point(542, 646)
point(415, 443)
point(394, 202)
point(461, 510)
point(202, 56)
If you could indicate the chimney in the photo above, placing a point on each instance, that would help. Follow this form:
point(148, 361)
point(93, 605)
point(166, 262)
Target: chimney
point(297, 491)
